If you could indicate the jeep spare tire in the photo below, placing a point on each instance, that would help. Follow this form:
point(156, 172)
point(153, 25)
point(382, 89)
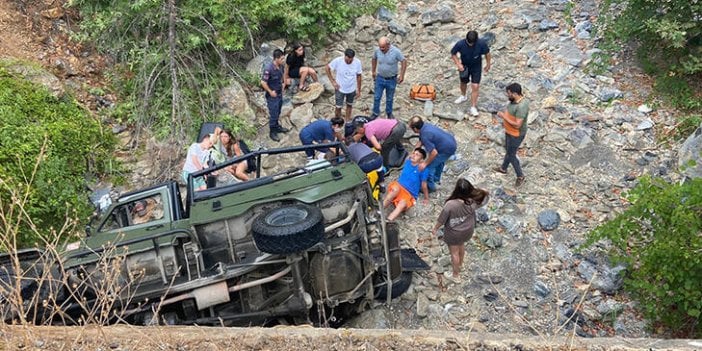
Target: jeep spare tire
point(288, 229)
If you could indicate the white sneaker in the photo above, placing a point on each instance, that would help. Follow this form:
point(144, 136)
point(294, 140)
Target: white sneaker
point(473, 111)
point(460, 99)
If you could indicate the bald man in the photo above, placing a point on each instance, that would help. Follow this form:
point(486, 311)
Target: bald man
point(385, 74)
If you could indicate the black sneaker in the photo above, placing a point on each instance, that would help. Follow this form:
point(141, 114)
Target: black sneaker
point(281, 129)
point(274, 136)
point(390, 116)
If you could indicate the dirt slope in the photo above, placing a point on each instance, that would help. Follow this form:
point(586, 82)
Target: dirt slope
point(16, 40)
point(304, 338)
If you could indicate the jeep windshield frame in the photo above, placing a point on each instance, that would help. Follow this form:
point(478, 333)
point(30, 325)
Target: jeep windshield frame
point(258, 180)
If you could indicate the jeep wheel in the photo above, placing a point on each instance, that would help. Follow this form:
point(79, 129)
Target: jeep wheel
point(288, 229)
point(399, 286)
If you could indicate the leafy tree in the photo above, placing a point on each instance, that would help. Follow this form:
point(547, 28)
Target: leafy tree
point(670, 37)
point(659, 238)
point(48, 147)
point(173, 56)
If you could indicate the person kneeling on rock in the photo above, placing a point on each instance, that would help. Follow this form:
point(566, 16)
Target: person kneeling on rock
point(404, 191)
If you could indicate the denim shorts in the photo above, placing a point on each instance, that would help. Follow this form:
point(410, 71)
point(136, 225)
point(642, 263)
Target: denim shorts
point(197, 181)
point(340, 97)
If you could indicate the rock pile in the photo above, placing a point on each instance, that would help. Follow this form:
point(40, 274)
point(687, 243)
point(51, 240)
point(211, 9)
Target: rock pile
point(587, 144)
point(589, 140)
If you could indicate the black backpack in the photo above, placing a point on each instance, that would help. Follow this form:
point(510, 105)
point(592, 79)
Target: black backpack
point(251, 162)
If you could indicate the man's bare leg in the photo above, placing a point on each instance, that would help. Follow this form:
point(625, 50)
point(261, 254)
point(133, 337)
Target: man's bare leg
point(474, 89)
point(349, 108)
point(390, 196)
point(401, 206)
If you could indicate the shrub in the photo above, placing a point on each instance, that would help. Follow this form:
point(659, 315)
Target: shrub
point(49, 145)
point(172, 57)
point(659, 238)
point(669, 39)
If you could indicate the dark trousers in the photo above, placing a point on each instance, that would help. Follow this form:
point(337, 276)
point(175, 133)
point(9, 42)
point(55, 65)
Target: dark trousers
point(275, 104)
point(306, 139)
point(511, 146)
point(394, 139)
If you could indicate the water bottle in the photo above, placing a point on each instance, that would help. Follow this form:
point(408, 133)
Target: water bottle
point(428, 108)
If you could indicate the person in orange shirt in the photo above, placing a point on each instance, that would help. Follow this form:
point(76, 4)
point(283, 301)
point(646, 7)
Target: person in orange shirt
point(515, 122)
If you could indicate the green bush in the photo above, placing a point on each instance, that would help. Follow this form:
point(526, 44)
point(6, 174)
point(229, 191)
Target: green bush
point(49, 146)
point(659, 238)
point(172, 57)
point(668, 35)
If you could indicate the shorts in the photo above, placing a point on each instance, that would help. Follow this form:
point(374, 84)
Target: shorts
point(294, 72)
point(403, 194)
point(197, 181)
point(349, 97)
point(471, 75)
point(453, 238)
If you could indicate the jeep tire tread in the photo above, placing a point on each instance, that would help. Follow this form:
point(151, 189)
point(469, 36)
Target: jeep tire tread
point(288, 229)
point(399, 287)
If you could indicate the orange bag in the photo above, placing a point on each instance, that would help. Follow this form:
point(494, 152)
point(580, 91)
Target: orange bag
point(509, 128)
point(423, 92)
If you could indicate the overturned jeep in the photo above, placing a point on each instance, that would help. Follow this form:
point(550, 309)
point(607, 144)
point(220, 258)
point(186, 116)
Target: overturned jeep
point(305, 244)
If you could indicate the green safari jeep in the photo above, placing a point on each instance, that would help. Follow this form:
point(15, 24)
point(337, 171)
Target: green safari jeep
point(305, 244)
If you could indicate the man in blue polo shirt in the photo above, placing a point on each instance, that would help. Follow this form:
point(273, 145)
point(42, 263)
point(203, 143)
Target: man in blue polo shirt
point(385, 74)
point(470, 67)
point(321, 131)
point(440, 145)
point(272, 83)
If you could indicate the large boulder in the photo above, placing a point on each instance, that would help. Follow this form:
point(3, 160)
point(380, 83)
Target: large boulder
point(315, 90)
point(37, 76)
point(264, 57)
point(234, 101)
point(442, 14)
point(301, 115)
point(690, 155)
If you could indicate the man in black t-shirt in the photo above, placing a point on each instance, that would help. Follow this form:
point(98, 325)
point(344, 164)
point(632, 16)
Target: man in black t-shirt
point(469, 66)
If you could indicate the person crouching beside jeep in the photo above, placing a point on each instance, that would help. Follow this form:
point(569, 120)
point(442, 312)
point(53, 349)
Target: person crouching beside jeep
point(322, 131)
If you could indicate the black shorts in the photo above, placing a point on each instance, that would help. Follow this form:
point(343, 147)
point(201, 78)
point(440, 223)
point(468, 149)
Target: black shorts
point(294, 72)
point(471, 75)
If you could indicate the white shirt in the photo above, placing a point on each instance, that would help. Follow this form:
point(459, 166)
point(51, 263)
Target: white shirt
point(199, 153)
point(346, 73)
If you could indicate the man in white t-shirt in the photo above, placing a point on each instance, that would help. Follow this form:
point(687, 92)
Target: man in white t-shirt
point(346, 81)
point(196, 160)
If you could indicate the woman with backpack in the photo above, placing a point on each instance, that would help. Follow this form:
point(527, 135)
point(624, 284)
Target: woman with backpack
point(458, 219)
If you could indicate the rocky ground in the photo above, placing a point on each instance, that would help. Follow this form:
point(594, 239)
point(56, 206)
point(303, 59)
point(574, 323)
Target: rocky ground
point(589, 139)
